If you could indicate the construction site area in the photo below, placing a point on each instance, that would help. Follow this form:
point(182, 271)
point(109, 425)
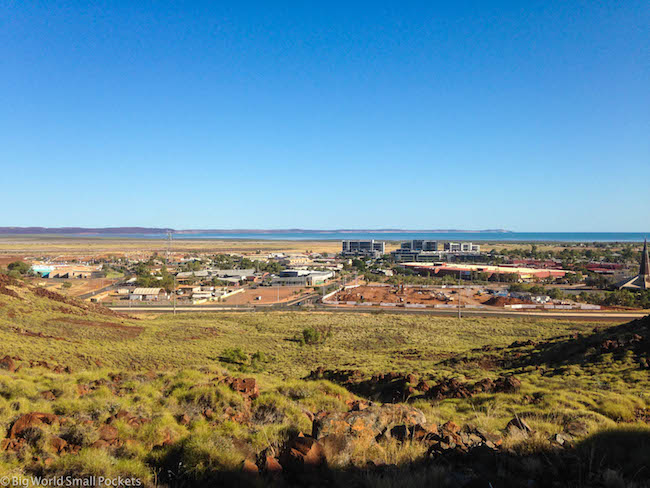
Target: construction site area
point(450, 296)
point(411, 295)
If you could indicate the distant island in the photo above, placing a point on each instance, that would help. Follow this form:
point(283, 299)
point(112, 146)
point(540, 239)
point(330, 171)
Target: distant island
point(157, 231)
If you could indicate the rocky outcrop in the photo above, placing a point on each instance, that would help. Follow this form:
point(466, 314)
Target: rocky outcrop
point(246, 386)
point(31, 420)
point(368, 423)
point(397, 387)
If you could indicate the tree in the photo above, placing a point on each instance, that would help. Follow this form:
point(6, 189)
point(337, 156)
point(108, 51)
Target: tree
point(20, 267)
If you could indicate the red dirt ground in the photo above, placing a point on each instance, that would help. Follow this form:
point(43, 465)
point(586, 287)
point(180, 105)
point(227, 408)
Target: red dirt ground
point(409, 294)
point(268, 294)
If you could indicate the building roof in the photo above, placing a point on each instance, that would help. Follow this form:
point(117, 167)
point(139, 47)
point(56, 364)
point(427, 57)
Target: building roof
point(147, 291)
point(233, 272)
point(189, 274)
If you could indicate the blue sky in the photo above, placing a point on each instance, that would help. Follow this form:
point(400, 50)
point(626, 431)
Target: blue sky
point(530, 116)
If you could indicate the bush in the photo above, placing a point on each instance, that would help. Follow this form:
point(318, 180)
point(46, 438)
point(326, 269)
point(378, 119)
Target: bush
point(312, 335)
point(20, 267)
point(234, 355)
point(244, 361)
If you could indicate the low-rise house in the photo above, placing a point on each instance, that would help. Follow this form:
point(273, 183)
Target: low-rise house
point(148, 294)
point(301, 277)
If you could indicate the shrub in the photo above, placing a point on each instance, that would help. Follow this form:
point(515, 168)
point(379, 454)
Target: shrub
point(234, 355)
point(313, 335)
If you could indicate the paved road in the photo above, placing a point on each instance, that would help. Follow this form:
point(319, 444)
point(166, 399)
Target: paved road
point(112, 286)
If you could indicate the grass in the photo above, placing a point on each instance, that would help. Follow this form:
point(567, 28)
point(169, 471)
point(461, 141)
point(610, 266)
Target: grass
point(371, 342)
point(167, 367)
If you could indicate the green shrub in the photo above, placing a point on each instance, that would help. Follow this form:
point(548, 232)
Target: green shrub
point(234, 355)
point(312, 335)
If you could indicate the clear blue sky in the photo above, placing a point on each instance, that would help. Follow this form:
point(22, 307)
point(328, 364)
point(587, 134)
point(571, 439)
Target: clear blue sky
point(530, 116)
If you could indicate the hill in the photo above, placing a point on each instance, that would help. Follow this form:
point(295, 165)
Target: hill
point(238, 399)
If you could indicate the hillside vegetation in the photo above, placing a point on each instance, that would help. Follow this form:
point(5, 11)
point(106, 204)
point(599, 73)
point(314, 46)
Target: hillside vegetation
point(378, 400)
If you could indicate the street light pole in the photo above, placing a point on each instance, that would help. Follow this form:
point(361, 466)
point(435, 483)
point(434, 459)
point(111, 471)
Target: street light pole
point(460, 295)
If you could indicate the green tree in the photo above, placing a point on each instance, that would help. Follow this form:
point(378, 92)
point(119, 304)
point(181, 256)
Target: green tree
point(20, 267)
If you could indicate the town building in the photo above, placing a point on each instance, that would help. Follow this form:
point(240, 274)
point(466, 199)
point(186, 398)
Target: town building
point(461, 247)
point(429, 251)
point(466, 270)
point(229, 275)
point(148, 294)
point(365, 248)
point(301, 277)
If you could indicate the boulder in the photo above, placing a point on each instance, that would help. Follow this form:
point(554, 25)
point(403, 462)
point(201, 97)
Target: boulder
point(576, 428)
point(517, 424)
point(507, 384)
point(107, 433)
point(48, 395)
point(58, 444)
point(100, 444)
point(8, 364)
point(246, 386)
point(486, 385)
point(449, 428)
point(560, 439)
point(31, 420)
point(12, 444)
point(303, 452)
point(271, 466)
point(451, 388)
point(368, 423)
point(250, 468)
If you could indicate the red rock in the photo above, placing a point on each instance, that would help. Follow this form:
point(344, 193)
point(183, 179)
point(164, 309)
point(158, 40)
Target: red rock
point(421, 432)
point(107, 433)
point(12, 444)
point(100, 444)
point(58, 444)
point(507, 384)
point(518, 424)
point(272, 466)
point(8, 364)
point(450, 427)
point(303, 452)
point(48, 395)
point(249, 467)
point(246, 386)
point(28, 420)
point(368, 423)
